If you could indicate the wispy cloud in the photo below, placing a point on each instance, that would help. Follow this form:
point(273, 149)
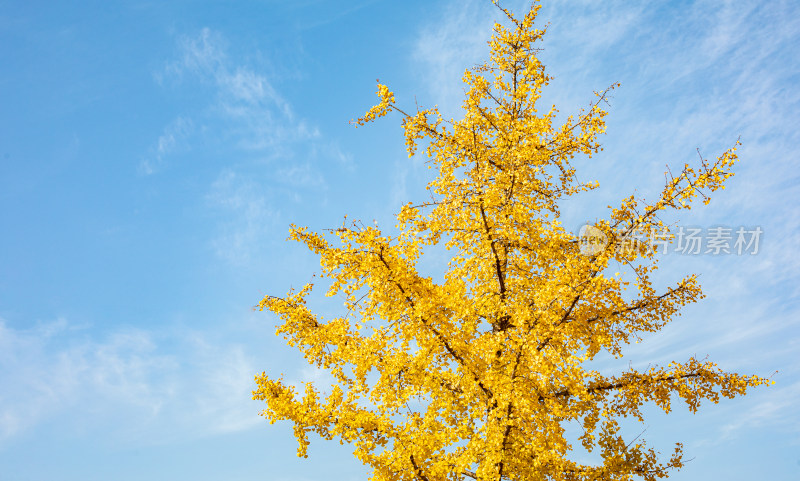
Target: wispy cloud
point(249, 216)
point(203, 54)
point(245, 112)
point(172, 140)
point(48, 369)
point(447, 45)
point(251, 127)
point(140, 378)
point(776, 411)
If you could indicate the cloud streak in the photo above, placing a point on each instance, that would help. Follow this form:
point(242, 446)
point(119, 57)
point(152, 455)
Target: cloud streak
point(153, 383)
point(251, 130)
point(172, 140)
point(246, 111)
point(248, 216)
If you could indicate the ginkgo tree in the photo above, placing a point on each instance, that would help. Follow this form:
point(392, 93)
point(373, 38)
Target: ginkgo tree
point(480, 375)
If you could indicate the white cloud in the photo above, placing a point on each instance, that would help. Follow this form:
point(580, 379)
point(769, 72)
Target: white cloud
point(48, 369)
point(247, 86)
point(449, 44)
point(776, 410)
point(248, 213)
point(203, 54)
point(302, 175)
point(255, 126)
point(228, 374)
point(332, 150)
point(155, 385)
point(245, 112)
point(173, 139)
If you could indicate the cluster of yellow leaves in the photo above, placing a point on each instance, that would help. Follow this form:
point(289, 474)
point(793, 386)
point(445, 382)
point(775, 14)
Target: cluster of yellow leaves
point(383, 108)
point(477, 376)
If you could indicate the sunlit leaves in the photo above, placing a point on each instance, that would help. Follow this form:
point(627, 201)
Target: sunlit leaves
point(477, 376)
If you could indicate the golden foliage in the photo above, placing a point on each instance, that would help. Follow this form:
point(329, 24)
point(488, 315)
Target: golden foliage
point(477, 377)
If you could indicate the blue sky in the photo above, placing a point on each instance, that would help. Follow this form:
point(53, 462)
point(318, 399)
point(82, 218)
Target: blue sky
point(153, 154)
